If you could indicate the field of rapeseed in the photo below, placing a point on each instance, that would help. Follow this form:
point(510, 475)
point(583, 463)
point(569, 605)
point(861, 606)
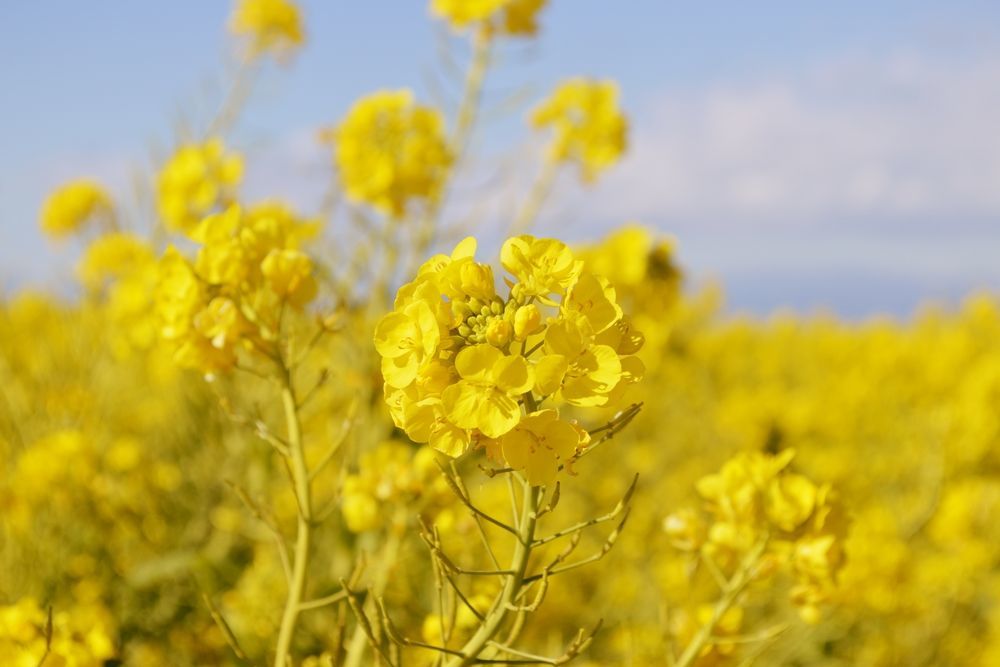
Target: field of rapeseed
point(354, 436)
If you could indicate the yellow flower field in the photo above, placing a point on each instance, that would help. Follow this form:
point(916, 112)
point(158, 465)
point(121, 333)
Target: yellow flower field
point(380, 435)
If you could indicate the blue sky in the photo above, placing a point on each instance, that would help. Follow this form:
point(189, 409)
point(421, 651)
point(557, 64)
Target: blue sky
point(809, 155)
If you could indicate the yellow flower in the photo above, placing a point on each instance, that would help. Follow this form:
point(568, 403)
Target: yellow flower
point(406, 340)
point(71, 206)
point(589, 127)
point(196, 180)
point(113, 256)
point(593, 300)
point(484, 398)
point(574, 368)
point(542, 266)
point(290, 275)
point(511, 17)
point(790, 501)
point(452, 374)
point(273, 26)
point(391, 151)
point(527, 321)
point(222, 259)
point(179, 294)
point(539, 444)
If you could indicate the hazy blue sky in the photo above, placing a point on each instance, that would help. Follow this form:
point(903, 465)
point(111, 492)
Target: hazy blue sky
point(842, 155)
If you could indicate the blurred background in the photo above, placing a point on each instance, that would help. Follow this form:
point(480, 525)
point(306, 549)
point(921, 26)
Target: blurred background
point(838, 156)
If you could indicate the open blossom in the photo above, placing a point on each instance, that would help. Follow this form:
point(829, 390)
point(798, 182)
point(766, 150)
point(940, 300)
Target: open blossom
point(273, 26)
point(197, 180)
point(68, 209)
point(464, 364)
point(391, 151)
point(589, 129)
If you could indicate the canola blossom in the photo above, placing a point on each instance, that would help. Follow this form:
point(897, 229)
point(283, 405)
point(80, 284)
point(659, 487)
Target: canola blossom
point(271, 26)
point(328, 435)
point(391, 151)
point(509, 17)
point(197, 180)
point(466, 365)
point(588, 128)
point(70, 208)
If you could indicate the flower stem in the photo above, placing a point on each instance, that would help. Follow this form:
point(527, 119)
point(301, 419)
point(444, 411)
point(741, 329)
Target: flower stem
point(303, 494)
point(730, 592)
point(512, 586)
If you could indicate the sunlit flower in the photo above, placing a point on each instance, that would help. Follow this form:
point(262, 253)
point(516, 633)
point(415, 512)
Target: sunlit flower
point(68, 209)
point(588, 126)
point(391, 151)
point(273, 26)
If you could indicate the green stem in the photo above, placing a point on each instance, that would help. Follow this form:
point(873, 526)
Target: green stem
point(730, 593)
point(303, 493)
point(512, 586)
point(390, 552)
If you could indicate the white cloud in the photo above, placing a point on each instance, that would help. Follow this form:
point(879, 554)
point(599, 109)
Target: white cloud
point(885, 143)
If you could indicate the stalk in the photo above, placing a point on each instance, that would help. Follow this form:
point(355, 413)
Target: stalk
point(730, 593)
point(303, 493)
point(512, 587)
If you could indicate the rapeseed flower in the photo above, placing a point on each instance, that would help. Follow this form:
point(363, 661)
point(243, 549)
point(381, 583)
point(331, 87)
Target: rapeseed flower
point(455, 357)
point(391, 152)
point(68, 209)
point(272, 26)
point(197, 180)
point(589, 129)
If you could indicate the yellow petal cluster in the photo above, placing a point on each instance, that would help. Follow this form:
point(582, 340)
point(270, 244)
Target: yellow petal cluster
point(756, 503)
point(272, 26)
point(589, 128)
point(391, 152)
point(197, 180)
point(459, 359)
point(248, 266)
point(69, 208)
point(393, 474)
point(509, 17)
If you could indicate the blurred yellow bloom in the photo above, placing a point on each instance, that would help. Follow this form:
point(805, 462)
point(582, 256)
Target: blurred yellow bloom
point(71, 206)
point(197, 180)
point(114, 256)
point(391, 151)
point(273, 26)
point(588, 126)
point(510, 17)
point(290, 275)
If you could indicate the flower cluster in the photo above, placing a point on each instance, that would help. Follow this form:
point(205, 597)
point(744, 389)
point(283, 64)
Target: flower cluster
point(197, 180)
point(394, 474)
point(249, 266)
point(510, 17)
point(272, 26)
point(458, 358)
point(589, 128)
point(757, 505)
point(68, 209)
point(391, 151)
